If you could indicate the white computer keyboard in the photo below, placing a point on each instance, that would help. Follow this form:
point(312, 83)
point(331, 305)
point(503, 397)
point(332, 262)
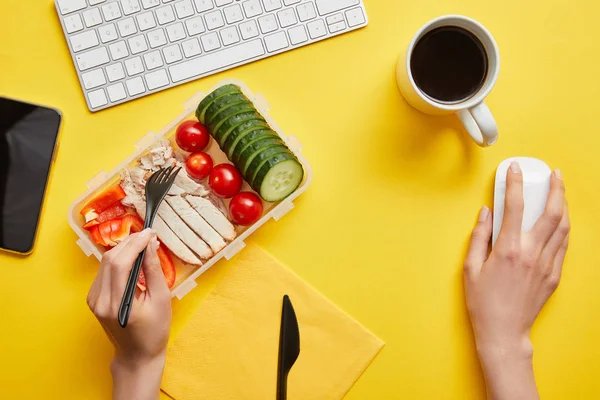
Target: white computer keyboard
point(126, 49)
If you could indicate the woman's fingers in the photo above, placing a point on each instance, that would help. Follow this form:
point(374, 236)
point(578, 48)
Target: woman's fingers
point(480, 240)
point(155, 279)
point(546, 227)
point(559, 260)
point(510, 232)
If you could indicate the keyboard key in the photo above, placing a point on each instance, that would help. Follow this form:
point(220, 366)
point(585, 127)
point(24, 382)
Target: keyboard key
point(157, 38)
point(249, 29)
point(116, 92)
point(165, 15)
point(317, 29)
point(97, 98)
point(126, 27)
point(150, 3)
point(118, 50)
point(230, 35)
point(252, 8)
point(92, 58)
point(338, 26)
point(214, 20)
point(157, 79)
point(271, 5)
point(167, 1)
point(287, 17)
point(108, 33)
point(175, 32)
point(233, 14)
point(130, 6)
point(84, 41)
point(191, 47)
point(335, 18)
point(115, 72)
point(276, 42)
point(184, 9)
point(172, 54)
point(203, 5)
point(217, 60)
point(220, 3)
point(111, 11)
point(146, 20)
point(355, 17)
point(329, 6)
point(134, 66)
point(95, 2)
point(92, 17)
point(290, 2)
point(297, 35)
point(138, 44)
point(210, 41)
point(73, 23)
point(93, 79)
point(268, 23)
point(306, 11)
point(135, 86)
point(68, 6)
point(153, 60)
point(195, 26)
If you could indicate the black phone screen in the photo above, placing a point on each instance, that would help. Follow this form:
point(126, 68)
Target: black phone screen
point(28, 135)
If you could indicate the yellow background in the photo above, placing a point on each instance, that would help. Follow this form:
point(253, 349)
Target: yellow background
point(383, 229)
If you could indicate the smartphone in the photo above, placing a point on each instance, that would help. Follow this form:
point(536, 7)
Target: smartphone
point(28, 144)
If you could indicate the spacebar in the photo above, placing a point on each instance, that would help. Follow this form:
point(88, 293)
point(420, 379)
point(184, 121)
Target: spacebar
point(217, 60)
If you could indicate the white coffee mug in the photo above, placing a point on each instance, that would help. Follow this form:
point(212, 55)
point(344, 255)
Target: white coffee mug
point(473, 112)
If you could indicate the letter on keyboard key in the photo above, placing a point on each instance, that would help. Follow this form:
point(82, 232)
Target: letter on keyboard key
point(271, 5)
point(153, 60)
point(93, 79)
point(172, 53)
point(97, 98)
point(68, 6)
point(146, 21)
point(157, 38)
point(203, 5)
point(194, 26)
point(84, 41)
point(115, 72)
point(329, 6)
point(135, 86)
point(317, 28)
point(157, 79)
point(92, 58)
point(184, 9)
point(276, 42)
point(249, 29)
point(210, 41)
point(306, 11)
point(165, 15)
point(355, 17)
point(191, 47)
point(150, 3)
point(217, 60)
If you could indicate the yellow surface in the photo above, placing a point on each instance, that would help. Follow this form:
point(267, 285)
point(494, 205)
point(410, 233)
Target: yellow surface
point(383, 228)
point(212, 358)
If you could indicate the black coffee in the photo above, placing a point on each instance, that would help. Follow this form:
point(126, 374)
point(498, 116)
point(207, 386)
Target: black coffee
point(449, 64)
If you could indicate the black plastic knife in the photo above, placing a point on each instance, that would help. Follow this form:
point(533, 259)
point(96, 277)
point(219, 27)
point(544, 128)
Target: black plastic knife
point(289, 346)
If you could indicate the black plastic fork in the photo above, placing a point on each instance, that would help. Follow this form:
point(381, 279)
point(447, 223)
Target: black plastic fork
point(157, 188)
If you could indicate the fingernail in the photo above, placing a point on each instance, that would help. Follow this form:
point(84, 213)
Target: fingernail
point(483, 214)
point(154, 245)
point(558, 173)
point(515, 167)
point(147, 232)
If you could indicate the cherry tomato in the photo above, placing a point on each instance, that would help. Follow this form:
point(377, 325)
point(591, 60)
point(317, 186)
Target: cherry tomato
point(192, 136)
point(198, 165)
point(245, 208)
point(225, 180)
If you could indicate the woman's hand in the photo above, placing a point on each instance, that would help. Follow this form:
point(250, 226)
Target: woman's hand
point(140, 348)
point(506, 290)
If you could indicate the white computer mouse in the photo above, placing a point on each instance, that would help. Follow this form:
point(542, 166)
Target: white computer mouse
point(536, 185)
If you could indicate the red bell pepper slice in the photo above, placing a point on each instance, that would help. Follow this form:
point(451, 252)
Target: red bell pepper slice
point(167, 266)
point(102, 202)
point(96, 237)
point(115, 211)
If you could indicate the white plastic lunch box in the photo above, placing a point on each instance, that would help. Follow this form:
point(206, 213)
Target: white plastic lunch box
point(187, 274)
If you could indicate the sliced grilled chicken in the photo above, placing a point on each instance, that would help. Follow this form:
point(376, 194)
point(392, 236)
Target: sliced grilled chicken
point(196, 222)
point(184, 232)
point(157, 156)
point(213, 216)
point(164, 233)
point(188, 185)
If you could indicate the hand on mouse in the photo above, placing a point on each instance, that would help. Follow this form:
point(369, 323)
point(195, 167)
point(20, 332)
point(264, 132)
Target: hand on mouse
point(506, 290)
point(140, 348)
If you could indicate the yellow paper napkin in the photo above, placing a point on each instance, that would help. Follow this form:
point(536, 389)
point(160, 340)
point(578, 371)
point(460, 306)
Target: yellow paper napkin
point(229, 349)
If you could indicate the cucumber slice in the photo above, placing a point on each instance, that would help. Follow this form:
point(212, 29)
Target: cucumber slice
point(250, 138)
point(232, 140)
point(207, 101)
point(279, 177)
point(234, 122)
point(217, 115)
point(227, 114)
point(256, 147)
point(221, 104)
point(251, 165)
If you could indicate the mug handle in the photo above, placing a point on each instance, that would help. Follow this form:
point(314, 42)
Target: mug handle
point(480, 124)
